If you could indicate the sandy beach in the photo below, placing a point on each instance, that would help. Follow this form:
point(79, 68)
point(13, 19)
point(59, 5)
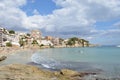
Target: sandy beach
point(5, 51)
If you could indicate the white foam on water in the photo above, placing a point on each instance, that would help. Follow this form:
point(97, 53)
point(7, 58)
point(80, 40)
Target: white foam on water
point(44, 61)
point(45, 65)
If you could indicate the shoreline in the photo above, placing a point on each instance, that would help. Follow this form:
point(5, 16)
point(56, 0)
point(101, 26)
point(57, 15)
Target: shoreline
point(5, 51)
point(12, 50)
point(11, 69)
point(29, 72)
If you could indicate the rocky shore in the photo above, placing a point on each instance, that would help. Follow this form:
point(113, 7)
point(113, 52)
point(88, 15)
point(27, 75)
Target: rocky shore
point(28, 72)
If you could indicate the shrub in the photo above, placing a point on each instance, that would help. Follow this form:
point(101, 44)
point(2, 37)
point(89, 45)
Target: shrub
point(9, 44)
point(12, 32)
point(42, 45)
point(21, 42)
point(34, 42)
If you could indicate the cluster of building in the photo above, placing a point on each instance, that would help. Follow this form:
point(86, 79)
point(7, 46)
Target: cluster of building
point(35, 37)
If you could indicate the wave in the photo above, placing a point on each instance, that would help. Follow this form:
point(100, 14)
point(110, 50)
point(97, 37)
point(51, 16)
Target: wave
point(44, 61)
point(46, 66)
point(52, 64)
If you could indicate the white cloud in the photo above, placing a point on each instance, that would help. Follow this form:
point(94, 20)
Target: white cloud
point(117, 25)
point(10, 14)
point(107, 37)
point(36, 12)
point(75, 17)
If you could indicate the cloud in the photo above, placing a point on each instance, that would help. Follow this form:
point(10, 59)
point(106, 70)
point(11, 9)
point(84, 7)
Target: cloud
point(36, 12)
point(108, 37)
point(117, 25)
point(10, 13)
point(74, 18)
point(32, 1)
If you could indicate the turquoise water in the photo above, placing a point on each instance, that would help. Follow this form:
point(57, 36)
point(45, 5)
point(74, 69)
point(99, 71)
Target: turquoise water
point(98, 54)
point(103, 59)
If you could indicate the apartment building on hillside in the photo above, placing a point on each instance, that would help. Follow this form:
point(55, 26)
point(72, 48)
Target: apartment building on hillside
point(1, 39)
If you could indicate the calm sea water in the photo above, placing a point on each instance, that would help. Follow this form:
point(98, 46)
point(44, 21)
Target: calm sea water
point(101, 59)
point(105, 60)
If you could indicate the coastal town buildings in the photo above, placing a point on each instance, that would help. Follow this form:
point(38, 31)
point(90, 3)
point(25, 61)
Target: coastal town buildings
point(46, 43)
point(1, 39)
point(6, 37)
point(55, 41)
point(49, 38)
point(35, 37)
point(3, 36)
point(36, 34)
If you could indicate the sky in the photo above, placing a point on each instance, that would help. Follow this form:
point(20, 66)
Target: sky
point(95, 20)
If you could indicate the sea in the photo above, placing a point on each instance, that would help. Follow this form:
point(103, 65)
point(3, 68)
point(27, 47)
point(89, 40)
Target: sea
point(103, 60)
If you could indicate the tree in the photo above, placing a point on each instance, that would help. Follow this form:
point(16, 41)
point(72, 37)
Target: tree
point(11, 31)
point(61, 40)
point(72, 41)
point(87, 43)
point(41, 45)
point(34, 42)
point(21, 42)
point(9, 44)
point(28, 34)
point(82, 42)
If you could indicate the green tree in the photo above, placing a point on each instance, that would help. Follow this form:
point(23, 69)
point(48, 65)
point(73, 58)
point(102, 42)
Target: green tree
point(34, 42)
point(82, 42)
point(41, 45)
point(21, 42)
point(9, 44)
point(11, 31)
point(28, 34)
point(72, 41)
point(61, 40)
point(87, 43)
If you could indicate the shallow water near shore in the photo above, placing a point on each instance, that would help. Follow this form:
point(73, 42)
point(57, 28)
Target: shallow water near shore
point(103, 60)
point(21, 57)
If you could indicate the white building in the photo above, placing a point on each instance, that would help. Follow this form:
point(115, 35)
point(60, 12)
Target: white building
point(1, 39)
point(46, 43)
point(36, 35)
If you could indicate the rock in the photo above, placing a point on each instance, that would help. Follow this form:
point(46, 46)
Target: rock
point(27, 72)
point(67, 72)
point(3, 58)
point(74, 75)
